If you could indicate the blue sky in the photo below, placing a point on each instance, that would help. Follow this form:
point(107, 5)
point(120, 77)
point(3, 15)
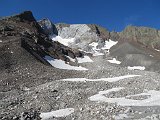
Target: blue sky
point(111, 14)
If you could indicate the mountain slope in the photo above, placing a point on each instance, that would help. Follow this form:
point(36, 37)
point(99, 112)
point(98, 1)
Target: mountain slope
point(36, 83)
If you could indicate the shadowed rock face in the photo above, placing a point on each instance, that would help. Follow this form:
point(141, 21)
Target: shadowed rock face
point(48, 27)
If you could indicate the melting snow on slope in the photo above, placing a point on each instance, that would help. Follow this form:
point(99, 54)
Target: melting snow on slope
point(114, 79)
point(65, 42)
point(80, 59)
point(136, 68)
point(94, 45)
point(114, 61)
point(84, 59)
point(107, 46)
point(62, 65)
point(95, 49)
point(57, 113)
point(150, 98)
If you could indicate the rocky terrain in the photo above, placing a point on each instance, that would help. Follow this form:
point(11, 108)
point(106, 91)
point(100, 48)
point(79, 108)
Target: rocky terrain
point(77, 71)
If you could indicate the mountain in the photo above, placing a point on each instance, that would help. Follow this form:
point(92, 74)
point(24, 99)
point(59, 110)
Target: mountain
point(140, 42)
point(77, 71)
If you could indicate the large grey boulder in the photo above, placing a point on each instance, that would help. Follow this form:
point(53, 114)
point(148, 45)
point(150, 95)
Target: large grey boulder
point(48, 27)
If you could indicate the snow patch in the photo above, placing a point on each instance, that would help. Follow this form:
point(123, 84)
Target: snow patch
point(95, 49)
point(94, 45)
point(81, 59)
point(157, 50)
point(153, 98)
point(109, 44)
point(114, 79)
point(151, 55)
point(85, 59)
point(61, 64)
point(136, 68)
point(114, 61)
point(57, 113)
point(65, 42)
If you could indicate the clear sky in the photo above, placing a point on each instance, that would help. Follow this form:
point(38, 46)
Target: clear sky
point(111, 14)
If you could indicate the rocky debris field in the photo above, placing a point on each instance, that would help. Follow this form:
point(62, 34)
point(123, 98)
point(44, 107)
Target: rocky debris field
point(105, 93)
point(76, 72)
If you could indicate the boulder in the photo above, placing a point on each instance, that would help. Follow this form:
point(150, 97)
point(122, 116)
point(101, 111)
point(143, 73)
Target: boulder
point(48, 27)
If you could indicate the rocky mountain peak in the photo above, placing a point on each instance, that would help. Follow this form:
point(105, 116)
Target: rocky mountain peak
point(147, 36)
point(24, 16)
point(134, 30)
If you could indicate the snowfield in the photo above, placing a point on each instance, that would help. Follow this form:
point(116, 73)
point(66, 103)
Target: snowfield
point(150, 98)
point(107, 46)
point(136, 68)
point(85, 59)
point(114, 79)
point(114, 61)
point(57, 113)
point(62, 65)
point(65, 42)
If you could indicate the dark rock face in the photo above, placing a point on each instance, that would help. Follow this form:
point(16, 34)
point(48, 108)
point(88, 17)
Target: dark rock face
point(103, 33)
point(48, 27)
point(26, 16)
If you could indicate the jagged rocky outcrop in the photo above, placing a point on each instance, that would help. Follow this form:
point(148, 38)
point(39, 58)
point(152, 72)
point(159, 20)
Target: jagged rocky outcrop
point(48, 27)
point(22, 31)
